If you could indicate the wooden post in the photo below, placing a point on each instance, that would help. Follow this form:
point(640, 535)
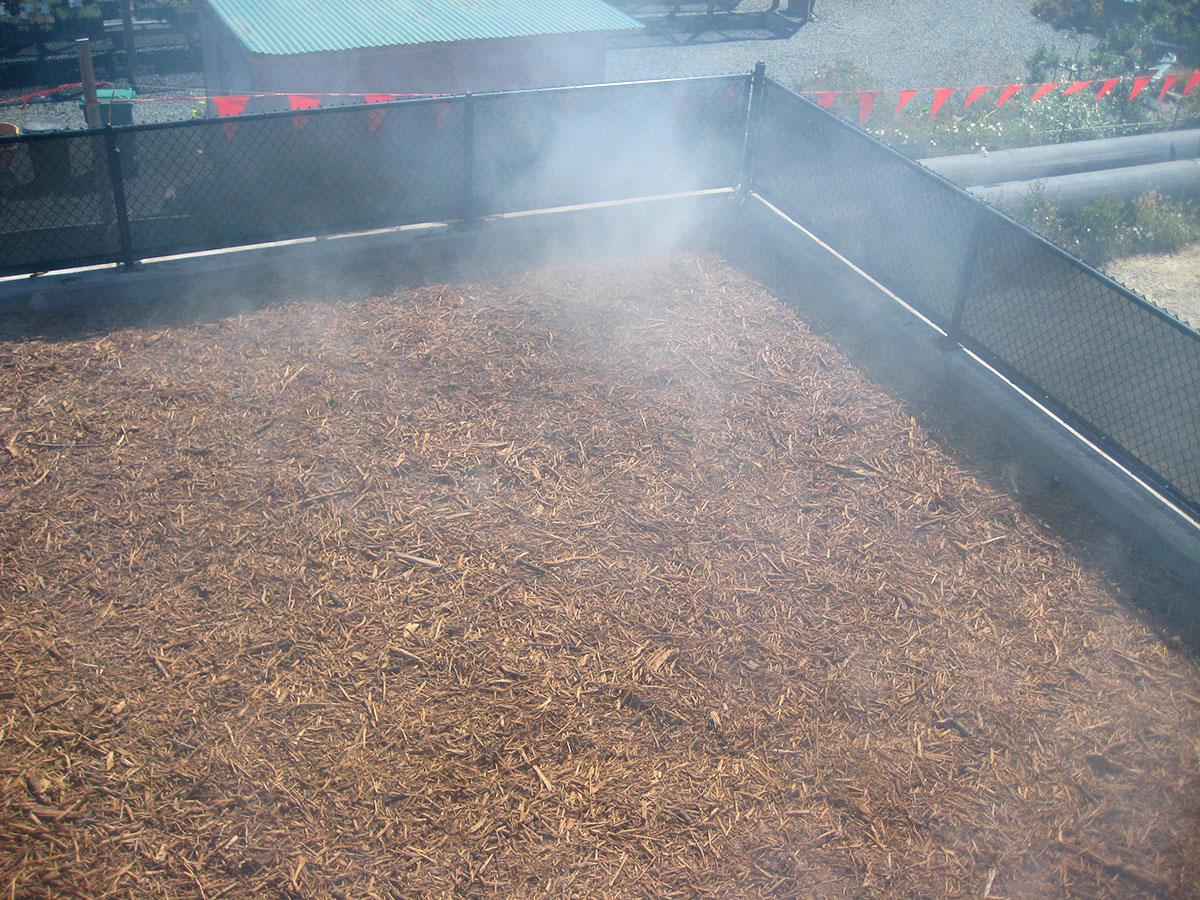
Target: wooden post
point(91, 106)
point(130, 49)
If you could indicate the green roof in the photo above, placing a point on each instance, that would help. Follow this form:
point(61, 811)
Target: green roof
point(312, 26)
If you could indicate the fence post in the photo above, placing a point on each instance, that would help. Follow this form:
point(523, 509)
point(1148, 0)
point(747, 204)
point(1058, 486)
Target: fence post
point(470, 205)
point(750, 139)
point(113, 152)
point(954, 327)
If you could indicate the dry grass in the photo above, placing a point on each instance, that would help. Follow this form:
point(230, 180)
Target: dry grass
point(597, 581)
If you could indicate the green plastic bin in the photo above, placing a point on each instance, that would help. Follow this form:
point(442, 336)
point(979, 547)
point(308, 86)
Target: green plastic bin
point(116, 106)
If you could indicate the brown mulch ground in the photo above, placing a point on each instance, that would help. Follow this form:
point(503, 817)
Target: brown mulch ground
point(606, 580)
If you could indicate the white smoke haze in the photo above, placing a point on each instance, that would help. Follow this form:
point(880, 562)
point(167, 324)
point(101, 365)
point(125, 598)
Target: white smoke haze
point(571, 557)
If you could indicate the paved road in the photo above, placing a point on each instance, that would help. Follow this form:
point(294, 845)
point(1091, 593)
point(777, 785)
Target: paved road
point(902, 43)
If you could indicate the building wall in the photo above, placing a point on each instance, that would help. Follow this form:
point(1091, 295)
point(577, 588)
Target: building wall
point(443, 68)
point(224, 58)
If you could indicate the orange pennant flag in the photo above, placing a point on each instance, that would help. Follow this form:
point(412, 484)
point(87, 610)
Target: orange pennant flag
point(230, 106)
point(975, 94)
point(866, 102)
point(1192, 82)
point(1107, 86)
point(905, 96)
point(1008, 93)
point(441, 110)
point(826, 98)
point(940, 96)
point(302, 101)
point(1043, 90)
point(1168, 83)
point(1076, 87)
point(375, 117)
point(1139, 84)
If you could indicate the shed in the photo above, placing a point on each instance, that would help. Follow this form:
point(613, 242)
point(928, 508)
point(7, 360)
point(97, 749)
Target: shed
point(404, 46)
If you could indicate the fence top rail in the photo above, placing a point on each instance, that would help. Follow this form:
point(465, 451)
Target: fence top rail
point(688, 79)
point(211, 121)
point(987, 209)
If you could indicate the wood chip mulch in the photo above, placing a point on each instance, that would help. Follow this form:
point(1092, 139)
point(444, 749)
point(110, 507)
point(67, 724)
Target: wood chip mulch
point(599, 580)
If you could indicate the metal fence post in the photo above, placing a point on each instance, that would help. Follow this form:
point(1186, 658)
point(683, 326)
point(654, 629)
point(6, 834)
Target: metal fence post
point(970, 260)
point(113, 152)
point(470, 206)
point(750, 139)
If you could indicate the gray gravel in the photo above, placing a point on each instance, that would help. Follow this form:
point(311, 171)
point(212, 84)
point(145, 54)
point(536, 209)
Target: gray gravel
point(67, 114)
point(901, 43)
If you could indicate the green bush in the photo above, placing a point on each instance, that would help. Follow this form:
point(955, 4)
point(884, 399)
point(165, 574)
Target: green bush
point(64, 13)
point(1175, 22)
point(1053, 119)
point(1161, 225)
point(1111, 228)
point(1065, 12)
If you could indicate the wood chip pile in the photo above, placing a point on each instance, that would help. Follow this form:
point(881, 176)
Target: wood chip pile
point(604, 580)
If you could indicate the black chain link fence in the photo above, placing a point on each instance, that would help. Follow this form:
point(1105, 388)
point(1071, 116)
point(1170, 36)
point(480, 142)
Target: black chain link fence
point(1122, 370)
point(122, 194)
point(868, 202)
point(1117, 367)
point(250, 179)
point(57, 207)
point(1127, 370)
point(542, 149)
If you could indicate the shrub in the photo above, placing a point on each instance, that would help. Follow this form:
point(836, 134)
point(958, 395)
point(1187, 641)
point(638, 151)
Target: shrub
point(1110, 228)
point(1162, 225)
point(1085, 14)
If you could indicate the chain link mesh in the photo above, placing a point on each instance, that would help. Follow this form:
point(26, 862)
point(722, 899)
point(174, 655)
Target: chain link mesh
point(904, 228)
point(223, 182)
point(56, 203)
point(219, 182)
point(1123, 370)
point(610, 142)
point(1129, 371)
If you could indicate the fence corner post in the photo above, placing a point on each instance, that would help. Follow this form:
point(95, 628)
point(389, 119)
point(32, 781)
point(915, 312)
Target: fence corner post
point(750, 138)
point(116, 175)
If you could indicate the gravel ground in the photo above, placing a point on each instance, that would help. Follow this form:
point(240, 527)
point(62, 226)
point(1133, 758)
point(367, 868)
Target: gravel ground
point(67, 114)
point(902, 43)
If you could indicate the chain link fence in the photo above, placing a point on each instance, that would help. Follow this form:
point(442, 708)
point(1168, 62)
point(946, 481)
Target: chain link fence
point(865, 200)
point(250, 179)
point(57, 205)
point(542, 149)
point(1120, 369)
point(126, 193)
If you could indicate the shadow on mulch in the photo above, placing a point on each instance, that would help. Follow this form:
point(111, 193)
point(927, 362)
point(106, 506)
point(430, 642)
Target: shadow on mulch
point(1166, 603)
point(212, 296)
